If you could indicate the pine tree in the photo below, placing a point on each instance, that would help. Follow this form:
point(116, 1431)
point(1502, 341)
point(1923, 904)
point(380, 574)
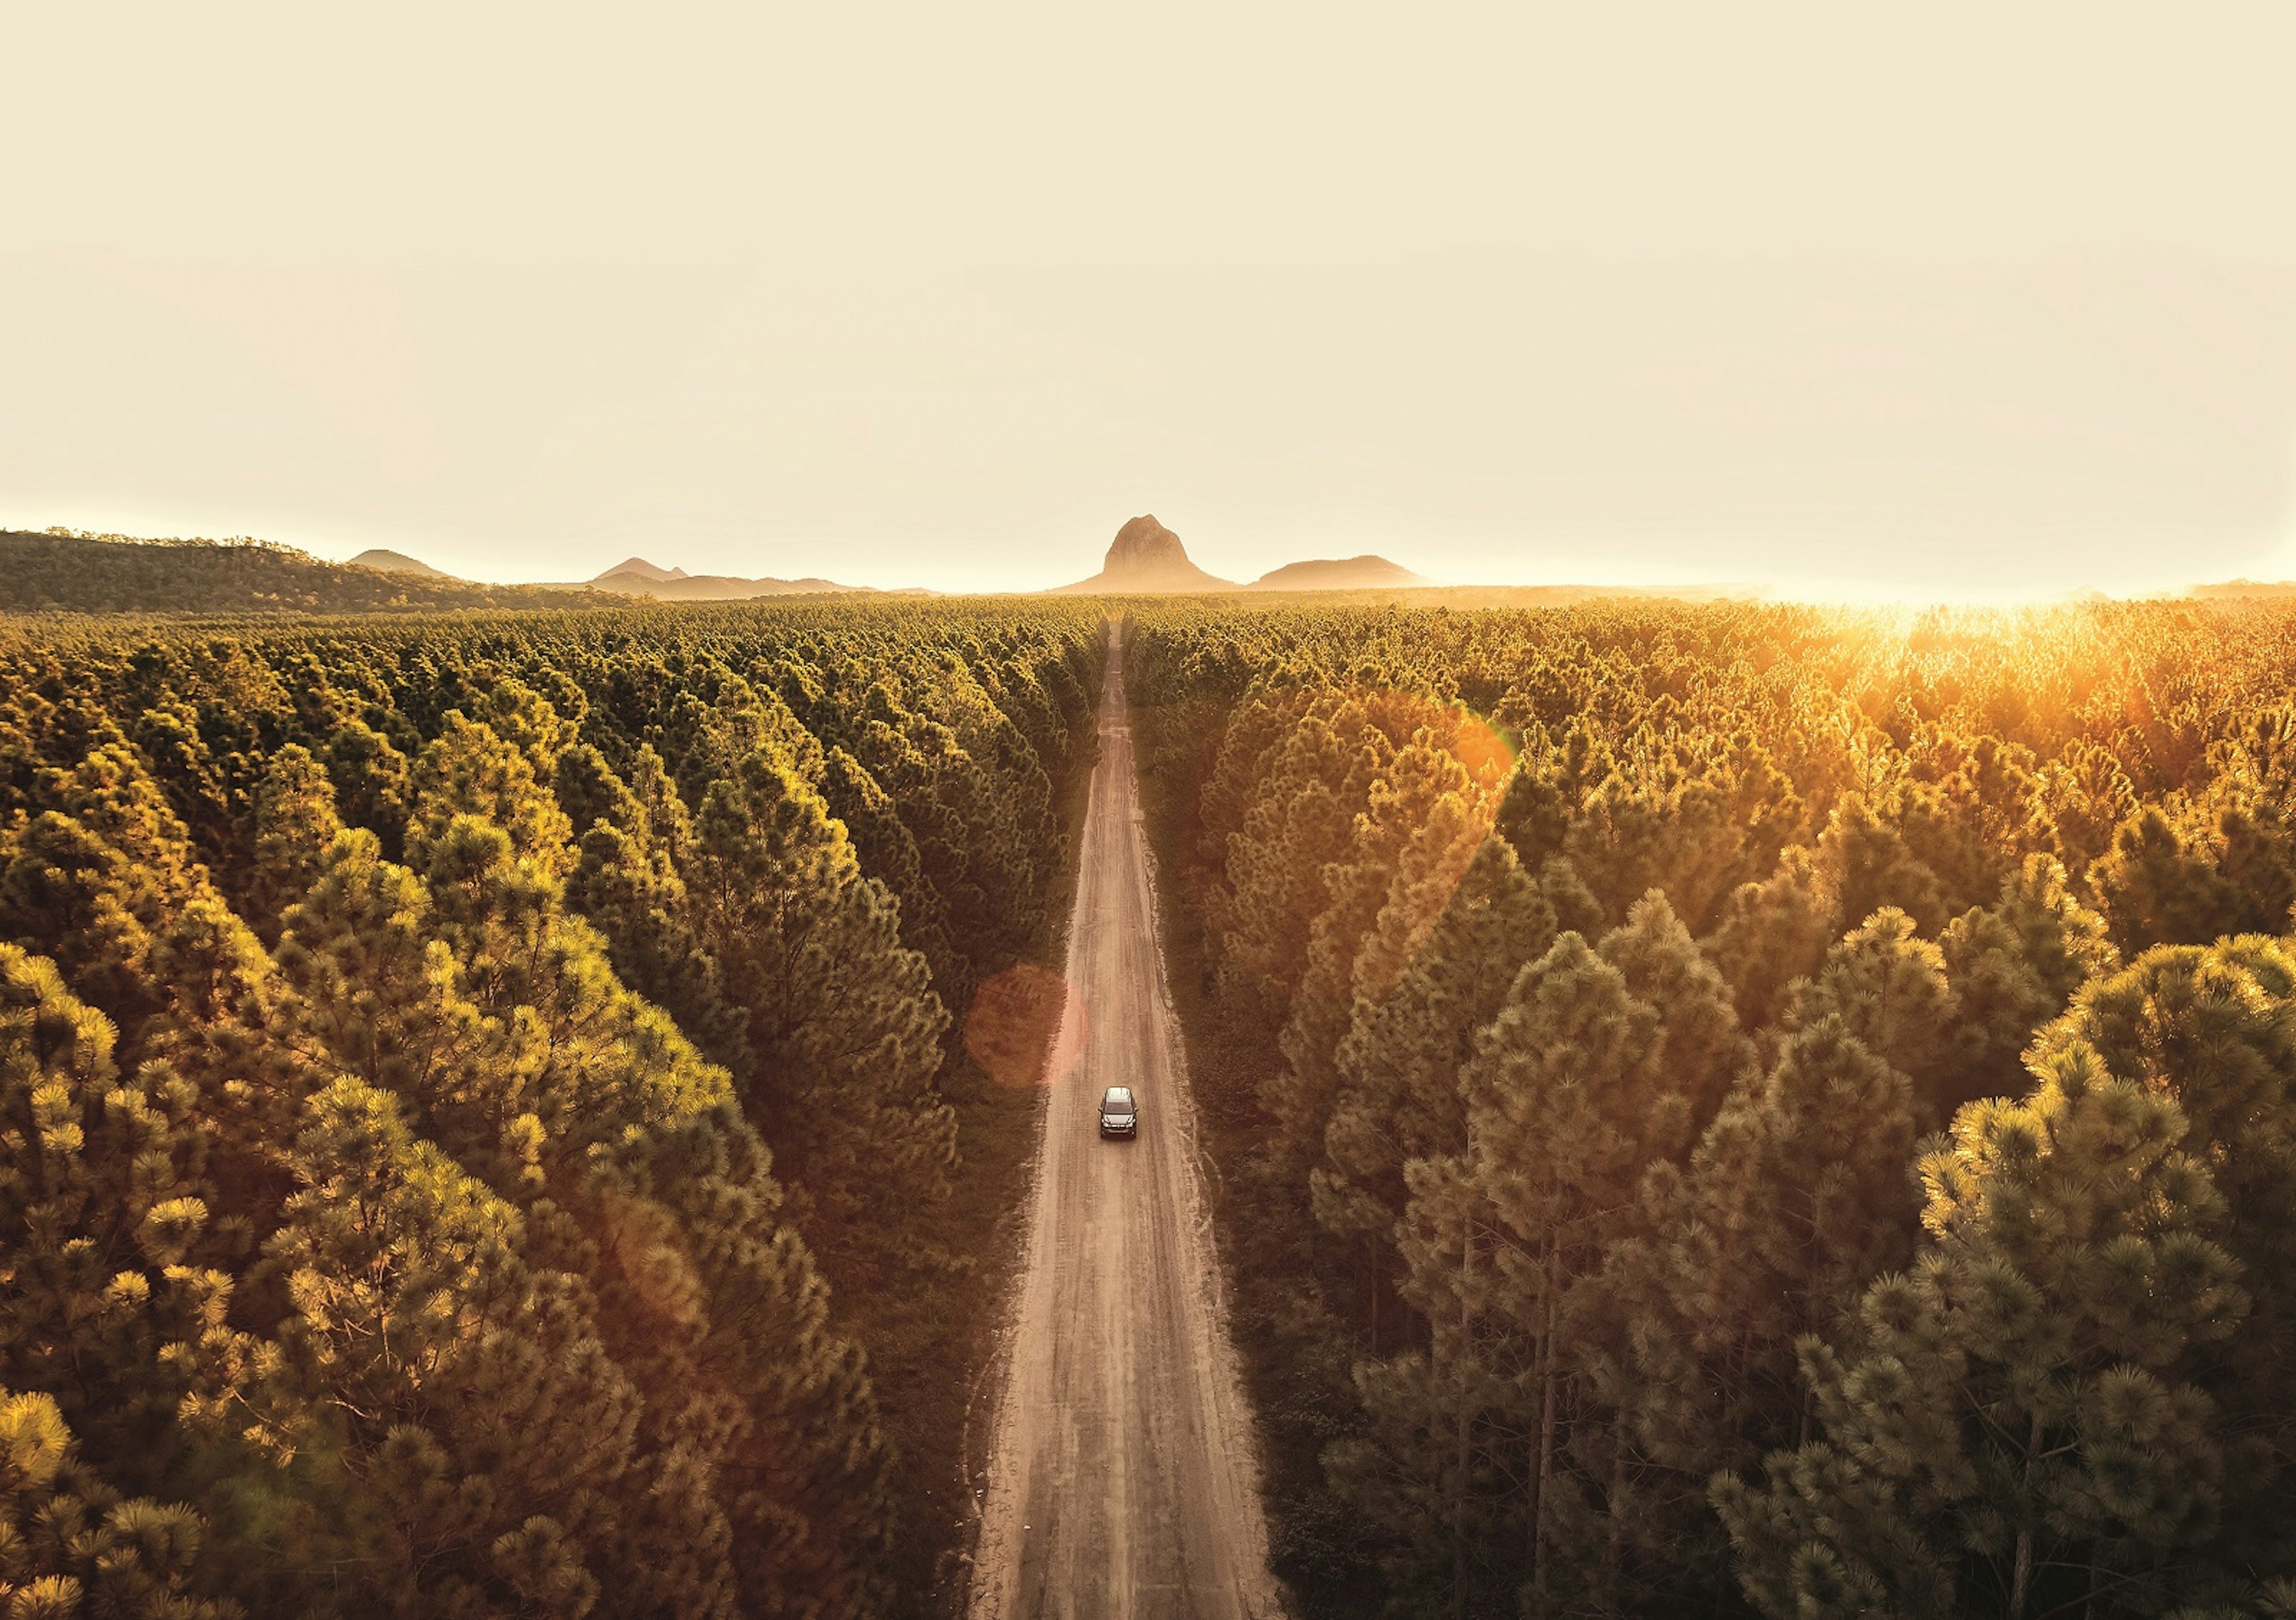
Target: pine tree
point(1296, 824)
point(1703, 1049)
point(723, 1315)
point(1567, 1100)
point(628, 884)
point(887, 852)
point(372, 778)
point(542, 727)
point(545, 1062)
point(1868, 867)
point(1428, 869)
point(295, 825)
point(456, 1429)
point(468, 769)
point(2017, 1425)
point(1426, 799)
point(69, 1544)
point(589, 790)
point(2078, 799)
point(376, 992)
point(1681, 836)
point(1964, 810)
point(2158, 885)
point(2211, 1028)
point(102, 1223)
point(198, 786)
point(91, 880)
point(1888, 989)
point(844, 1025)
point(2012, 968)
point(1771, 933)
point(1398, 1069)
point(1796, 1199)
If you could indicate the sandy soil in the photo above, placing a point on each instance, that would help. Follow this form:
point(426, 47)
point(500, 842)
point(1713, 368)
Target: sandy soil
point(1121, 1480)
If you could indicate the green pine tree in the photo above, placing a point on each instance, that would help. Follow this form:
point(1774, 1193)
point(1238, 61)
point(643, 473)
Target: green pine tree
point(295, 825)
point(842, 1021)
point(1398, 1069)
point(2019, 1425)
point(70, 1545)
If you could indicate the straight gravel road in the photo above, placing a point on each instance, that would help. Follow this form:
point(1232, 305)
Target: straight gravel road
point(1121, 1479)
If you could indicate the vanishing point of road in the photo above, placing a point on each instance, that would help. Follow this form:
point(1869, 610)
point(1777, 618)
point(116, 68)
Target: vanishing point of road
point(1121, 1479)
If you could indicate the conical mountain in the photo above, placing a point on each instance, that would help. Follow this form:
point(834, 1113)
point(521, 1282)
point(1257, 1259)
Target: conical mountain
point(397, 562)
point(642, 569)
point(1144, 557)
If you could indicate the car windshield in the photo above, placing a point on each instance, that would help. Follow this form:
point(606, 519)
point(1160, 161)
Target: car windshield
point(1118, 1101)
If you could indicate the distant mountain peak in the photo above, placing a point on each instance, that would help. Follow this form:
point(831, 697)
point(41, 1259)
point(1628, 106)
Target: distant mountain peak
point(1146, 556)
point(643, 571)
point(1144, 544)
point(396, 562)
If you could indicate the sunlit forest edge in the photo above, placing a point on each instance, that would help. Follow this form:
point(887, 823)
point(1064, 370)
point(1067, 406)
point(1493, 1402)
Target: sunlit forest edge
point(1747, 1109)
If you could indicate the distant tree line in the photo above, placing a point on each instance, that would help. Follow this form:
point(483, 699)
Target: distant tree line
point(1750, 1110)
point(464, 1082)
point(61, 571)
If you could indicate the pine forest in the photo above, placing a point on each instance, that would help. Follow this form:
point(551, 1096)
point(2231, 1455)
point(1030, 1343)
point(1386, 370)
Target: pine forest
point(1721, 1109)
point(1733, 1111)
point(483, 1123)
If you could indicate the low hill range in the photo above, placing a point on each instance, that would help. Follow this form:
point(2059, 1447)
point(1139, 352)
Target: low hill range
point(639, 577)
point(1341, 573)
point(636, 576)
point(67, 571)
point(633, 576)
point(64, 570)
point(2237, 590)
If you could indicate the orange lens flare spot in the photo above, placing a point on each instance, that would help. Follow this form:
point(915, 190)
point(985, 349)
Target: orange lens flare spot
point(650, 1253)
point(1483, 750)
point(1026, 1027)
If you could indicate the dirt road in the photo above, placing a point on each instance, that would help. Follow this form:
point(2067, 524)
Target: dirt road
point(1121, 1480)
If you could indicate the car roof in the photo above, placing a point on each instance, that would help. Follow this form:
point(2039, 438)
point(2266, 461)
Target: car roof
point(1115, 1091)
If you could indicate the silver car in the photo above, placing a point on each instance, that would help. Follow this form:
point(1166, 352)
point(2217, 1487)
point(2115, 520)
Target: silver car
point(1118, 1115)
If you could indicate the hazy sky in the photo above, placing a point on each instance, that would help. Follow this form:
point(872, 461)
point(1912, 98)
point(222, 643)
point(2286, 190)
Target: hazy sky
point(1953, 298)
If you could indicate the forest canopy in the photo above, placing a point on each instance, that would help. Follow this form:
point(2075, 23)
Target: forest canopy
point(1741, 1109)
point(1721, 1109)
point(480, 1098)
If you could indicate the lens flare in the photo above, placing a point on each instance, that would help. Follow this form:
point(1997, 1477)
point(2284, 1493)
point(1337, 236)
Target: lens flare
point(1483, 749)
point(1027, 1026)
